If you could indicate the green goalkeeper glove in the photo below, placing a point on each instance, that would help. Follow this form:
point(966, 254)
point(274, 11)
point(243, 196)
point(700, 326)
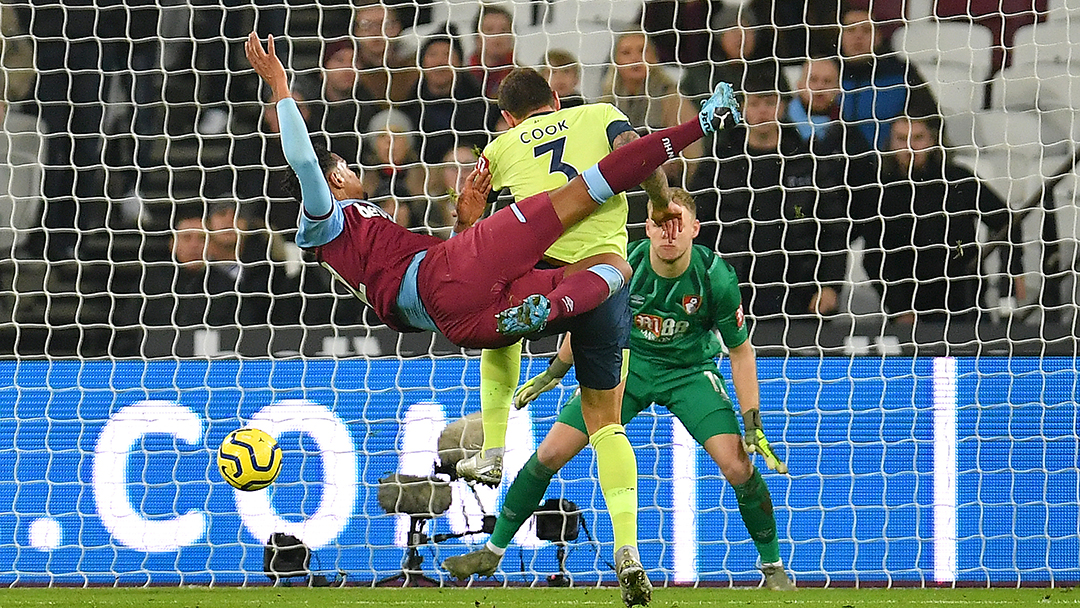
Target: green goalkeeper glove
point(755, 442)
point(541, 384)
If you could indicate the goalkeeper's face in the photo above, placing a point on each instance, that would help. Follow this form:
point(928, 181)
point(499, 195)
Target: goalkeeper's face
point(672, 250)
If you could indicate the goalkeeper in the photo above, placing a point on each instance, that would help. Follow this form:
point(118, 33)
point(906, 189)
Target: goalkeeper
point(680, 295)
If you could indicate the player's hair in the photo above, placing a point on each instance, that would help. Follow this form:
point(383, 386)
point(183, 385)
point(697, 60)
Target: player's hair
point(524, 91)
point(327, 162)
point(490, 9)
point(684, 199)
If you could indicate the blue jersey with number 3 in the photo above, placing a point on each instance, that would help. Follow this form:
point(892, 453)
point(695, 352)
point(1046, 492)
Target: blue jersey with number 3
point(546, 151)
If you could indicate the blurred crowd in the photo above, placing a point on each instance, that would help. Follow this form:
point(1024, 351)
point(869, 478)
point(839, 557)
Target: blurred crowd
point(113, 107)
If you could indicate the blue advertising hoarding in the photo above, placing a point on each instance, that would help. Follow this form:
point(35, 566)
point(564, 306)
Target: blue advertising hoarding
point(901, 469)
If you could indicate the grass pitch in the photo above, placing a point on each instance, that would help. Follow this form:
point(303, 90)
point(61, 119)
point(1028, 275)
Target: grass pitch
point(606, 597)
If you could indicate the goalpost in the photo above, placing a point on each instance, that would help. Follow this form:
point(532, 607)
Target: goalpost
point(946, 454)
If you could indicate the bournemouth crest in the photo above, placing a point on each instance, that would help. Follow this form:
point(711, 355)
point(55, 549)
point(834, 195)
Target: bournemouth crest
point(691, 303)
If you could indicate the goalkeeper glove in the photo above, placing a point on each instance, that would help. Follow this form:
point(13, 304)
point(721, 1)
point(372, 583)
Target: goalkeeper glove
point(755, 442)
point(541, 384)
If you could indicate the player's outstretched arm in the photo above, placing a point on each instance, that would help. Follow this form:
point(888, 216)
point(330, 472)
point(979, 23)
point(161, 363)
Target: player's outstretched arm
point(268, 66)
point(318, 201)
point(744, 376)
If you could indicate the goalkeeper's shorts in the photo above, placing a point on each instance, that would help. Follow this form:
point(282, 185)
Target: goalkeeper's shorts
point(696, 397)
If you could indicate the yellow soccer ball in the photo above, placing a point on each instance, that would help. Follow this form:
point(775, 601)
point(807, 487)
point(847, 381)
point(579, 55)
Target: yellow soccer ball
point(249, 459)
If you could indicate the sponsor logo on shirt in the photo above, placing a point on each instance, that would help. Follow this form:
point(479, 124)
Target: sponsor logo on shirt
point(739, 317)
point(659, 329)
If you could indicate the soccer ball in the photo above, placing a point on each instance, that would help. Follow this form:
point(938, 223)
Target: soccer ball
point(249, 459)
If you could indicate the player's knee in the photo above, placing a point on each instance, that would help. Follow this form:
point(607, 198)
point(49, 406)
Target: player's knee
point(555, 454)
point(736, 467)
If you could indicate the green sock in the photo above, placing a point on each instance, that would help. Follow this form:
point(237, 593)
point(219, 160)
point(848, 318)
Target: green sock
point(522, 499)
point(499, 373)
point(617, 467)
point(755, 505)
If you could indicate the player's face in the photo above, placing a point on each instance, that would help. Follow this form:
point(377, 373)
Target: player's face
point(189, 242)
point(857, 35)
point(672, 250)
point(496, 39)
point(346, 180)
point(911, 141)
point(820, 85)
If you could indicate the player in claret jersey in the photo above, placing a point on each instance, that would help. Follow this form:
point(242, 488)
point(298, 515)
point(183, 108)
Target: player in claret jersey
point(480, 288)
point(681, 295)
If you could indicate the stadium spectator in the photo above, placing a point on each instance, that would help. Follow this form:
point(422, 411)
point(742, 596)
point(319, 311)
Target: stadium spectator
point(444, 183)
point(803, 28)
point(254, 259)
point(448, 105)
point(675, 284)
point(783, 234)
point(877, 85)
point(637, 86)
point(563, 72)
point(185, 291)
point(347, 106)
point(386, 71)
point(846, 164)
point(677, 29)
point(739, 42)
point(494, 55)
point(921, 242)
point(392, 176)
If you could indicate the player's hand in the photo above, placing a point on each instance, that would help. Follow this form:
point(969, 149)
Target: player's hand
point(755, 442)
point(669, 219)
point(472, 200)
point(538, 385)
point(267, 65)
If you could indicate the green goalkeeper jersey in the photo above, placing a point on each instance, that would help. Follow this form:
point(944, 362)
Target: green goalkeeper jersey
point(676, 320)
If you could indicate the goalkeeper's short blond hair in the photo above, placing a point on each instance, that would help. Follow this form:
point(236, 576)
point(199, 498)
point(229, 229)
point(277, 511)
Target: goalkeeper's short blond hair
point(683, 199)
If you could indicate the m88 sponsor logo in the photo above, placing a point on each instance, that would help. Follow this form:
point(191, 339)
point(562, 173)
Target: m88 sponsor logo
point(660, 329)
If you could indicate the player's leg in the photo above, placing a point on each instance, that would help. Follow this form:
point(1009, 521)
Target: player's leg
point(584, 286)
point(600, 340)
point(631, 164)
point(565, 440)
point(700, 402)
point(499, 376)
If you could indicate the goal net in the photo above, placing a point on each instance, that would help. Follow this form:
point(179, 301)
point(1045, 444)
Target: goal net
point(152, 298)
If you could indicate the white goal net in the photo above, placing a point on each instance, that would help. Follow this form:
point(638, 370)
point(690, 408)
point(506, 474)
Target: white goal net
point(913, 301)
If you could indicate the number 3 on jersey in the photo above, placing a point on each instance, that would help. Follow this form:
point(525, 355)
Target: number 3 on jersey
point(556, 147)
